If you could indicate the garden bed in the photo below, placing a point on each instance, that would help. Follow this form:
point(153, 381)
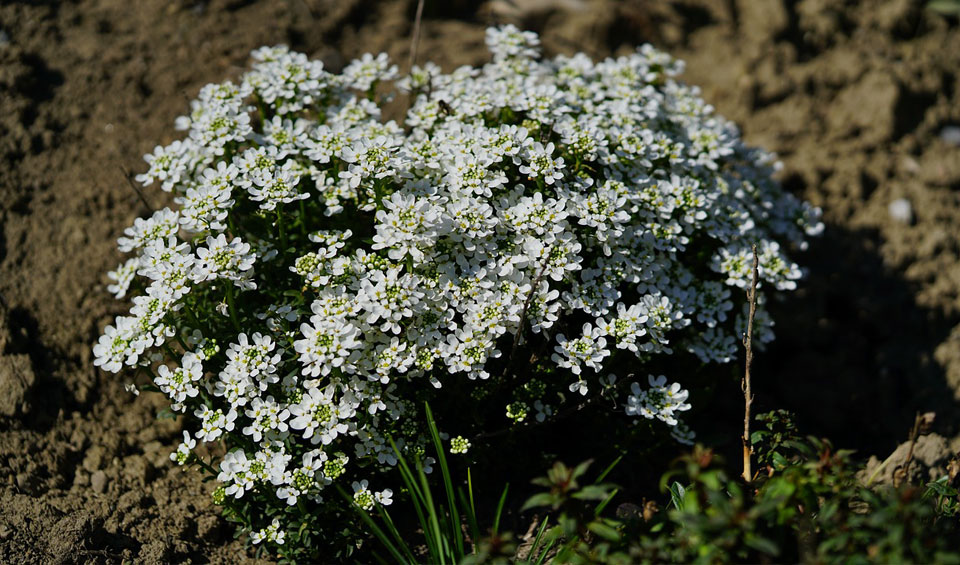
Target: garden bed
point(855, 100)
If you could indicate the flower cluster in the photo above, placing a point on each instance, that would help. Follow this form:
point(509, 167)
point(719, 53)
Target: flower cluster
point(658, 401)
point(324, 269)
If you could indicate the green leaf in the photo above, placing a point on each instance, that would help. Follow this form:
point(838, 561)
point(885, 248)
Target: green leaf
point(456, 528)
point(377, 531)
point(779, 489)
point(592, 492)
point(605, 502)
point(503, 500)
point(546, 551)
point(604, 531)
point(536, 541)
point(761, 544)
point(582, 468)
point(541, 499)
point(941, 487)
point(606, 471)
point(677, 493)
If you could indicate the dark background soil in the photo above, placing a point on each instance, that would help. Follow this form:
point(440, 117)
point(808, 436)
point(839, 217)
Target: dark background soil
point(854, 96)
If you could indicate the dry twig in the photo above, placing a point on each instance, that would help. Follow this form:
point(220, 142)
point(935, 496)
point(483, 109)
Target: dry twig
point(415, 42)
point(745, 383)
point(921, 426)
point(128, 176)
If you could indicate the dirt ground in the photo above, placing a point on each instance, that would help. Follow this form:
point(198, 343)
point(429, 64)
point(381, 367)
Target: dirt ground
point(858, 98)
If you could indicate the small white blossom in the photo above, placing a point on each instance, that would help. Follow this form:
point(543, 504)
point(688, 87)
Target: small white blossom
point(657, 401)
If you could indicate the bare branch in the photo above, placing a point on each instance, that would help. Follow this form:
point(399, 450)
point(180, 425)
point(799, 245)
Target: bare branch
point(745, 383)
point(526, 306)
point(129, 178)
point(415, 42)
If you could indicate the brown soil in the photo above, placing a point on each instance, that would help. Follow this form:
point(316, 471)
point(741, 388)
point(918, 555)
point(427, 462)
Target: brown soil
point(853, 96)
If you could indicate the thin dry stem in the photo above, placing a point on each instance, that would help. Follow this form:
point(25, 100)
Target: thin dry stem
point(900, 474)
point(415, 42)
point(745, 383)
point(523, 313)
point(129, 178)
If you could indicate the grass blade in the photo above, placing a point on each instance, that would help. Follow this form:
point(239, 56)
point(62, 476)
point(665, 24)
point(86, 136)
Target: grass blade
point(377, 531)
point(455, 526)
point(606, 471)
point(392, 529)
point(546, 550)
point(496, 517)
point(605, 502)
point(471, 519)
point(432, 529)
point(416, 496)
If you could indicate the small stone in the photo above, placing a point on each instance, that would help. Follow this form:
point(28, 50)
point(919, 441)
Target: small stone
point(901, 210)
point(98, 481)
point(951, 135)
point(4, 38)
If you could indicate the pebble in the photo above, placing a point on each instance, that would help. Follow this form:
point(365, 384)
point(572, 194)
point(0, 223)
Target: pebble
point(98, 481)
point(951, 135)
point(4, 38)
point(901, 210)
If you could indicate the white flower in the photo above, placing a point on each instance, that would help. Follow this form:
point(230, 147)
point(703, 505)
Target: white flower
point(205, 207)
point(160, 226)
point(405, 225)
point(121, 344)
point(214, 423)
point(540, 164)
point(626, 327)
point(182, 454)
point(588, 350)
point(271, 533)
point(362, 495)
point(318, 416)
point(516, 203)
point(388, 297)
point(658, 401)
point(327, 345)
point(384, 497)
point(167, 164)
point(366, 71)
point(231, 260)
point(180, 383)
point(268, 418)
point(123, 276)
point(276, 187)
point(508, 41)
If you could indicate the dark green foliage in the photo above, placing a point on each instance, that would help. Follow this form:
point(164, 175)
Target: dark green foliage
point(807, 504)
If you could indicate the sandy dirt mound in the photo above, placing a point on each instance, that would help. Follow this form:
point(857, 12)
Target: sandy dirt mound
point(857, 98)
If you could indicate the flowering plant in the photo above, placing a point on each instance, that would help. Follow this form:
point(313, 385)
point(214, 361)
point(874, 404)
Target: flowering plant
point(324, 271)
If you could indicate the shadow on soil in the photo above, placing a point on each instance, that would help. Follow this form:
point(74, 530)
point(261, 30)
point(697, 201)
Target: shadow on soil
point(854, 352)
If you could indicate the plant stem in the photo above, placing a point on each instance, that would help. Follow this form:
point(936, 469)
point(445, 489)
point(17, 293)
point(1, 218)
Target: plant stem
point(745, 384)
point(232, 308)
point(415, 41)
point(900, 474)
point(283, 231)
point(149, 372)
point(303, 219)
